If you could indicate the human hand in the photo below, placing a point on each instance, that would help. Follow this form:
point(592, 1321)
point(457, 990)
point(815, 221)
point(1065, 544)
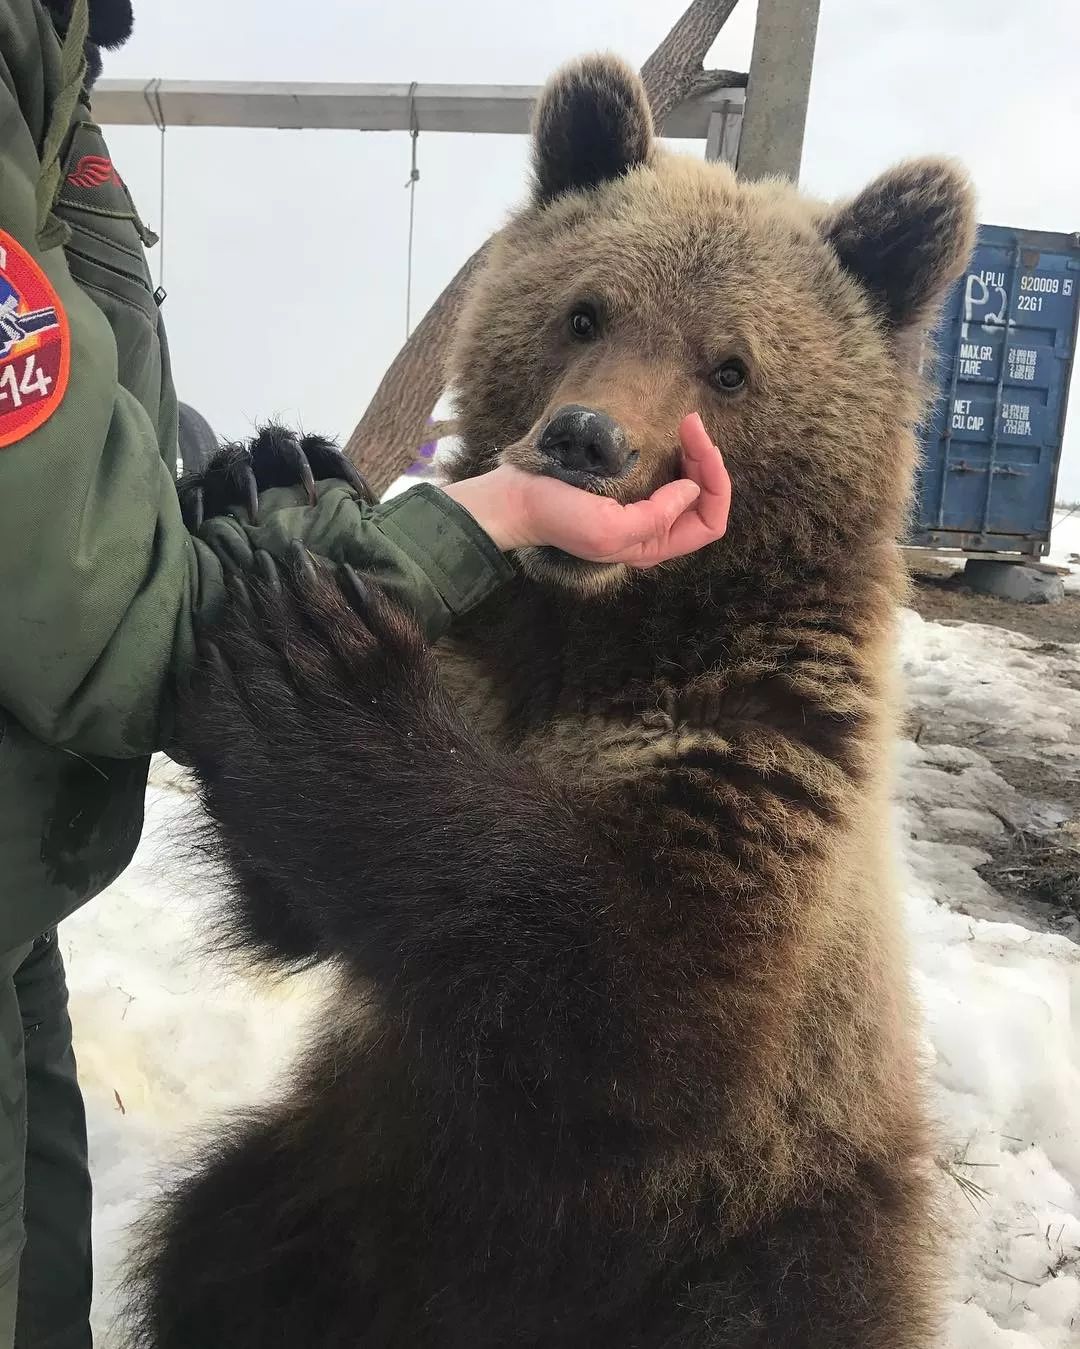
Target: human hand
point(519, 510)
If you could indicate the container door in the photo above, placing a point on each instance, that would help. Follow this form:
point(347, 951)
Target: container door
point(1005, 347)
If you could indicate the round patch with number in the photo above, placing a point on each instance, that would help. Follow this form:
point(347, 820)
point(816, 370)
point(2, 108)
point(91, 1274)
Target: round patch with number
point(35, 344)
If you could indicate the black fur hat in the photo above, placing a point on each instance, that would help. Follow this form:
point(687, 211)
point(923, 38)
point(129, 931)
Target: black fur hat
point(110, 27)
point(110, 20)
point(110, 23)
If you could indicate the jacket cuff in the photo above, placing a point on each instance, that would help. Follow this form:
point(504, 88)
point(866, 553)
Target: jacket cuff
point(443, 539)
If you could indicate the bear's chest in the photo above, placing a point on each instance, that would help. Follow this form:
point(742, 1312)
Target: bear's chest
point(478, 694)
point(531, 712)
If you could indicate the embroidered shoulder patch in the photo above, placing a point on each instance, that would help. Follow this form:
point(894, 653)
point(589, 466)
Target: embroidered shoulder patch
point(35, 344)
point(92, 171)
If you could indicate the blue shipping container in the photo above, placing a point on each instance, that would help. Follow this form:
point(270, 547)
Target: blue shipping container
point(992, 444)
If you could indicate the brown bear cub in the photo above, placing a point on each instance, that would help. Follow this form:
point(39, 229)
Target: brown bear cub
point(624, 1054)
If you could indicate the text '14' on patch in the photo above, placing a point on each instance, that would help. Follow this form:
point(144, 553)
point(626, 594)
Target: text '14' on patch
point(35, 345)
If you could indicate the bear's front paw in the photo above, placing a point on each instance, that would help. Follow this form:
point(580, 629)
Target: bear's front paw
point(303, 646)
point(276, 457)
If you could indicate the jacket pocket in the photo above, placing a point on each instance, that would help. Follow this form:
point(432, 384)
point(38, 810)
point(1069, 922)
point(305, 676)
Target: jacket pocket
point(107, 239)
point(109, 283)
point(104, 250)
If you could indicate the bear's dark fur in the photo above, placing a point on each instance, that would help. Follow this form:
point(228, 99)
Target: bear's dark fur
point(623, 1054)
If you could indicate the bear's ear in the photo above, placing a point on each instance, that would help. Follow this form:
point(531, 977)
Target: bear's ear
point(907, 236)
point(592, 123)
point(110, 22)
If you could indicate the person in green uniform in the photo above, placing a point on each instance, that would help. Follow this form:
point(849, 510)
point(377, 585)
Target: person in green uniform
point(102, 584)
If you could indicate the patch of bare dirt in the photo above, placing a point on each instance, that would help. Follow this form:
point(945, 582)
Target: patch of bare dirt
point(1040, 870)
point(1037, 867)
point(1043, 780)
point(940, 594)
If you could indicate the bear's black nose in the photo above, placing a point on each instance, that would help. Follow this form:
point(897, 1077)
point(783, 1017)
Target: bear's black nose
point(578, 440)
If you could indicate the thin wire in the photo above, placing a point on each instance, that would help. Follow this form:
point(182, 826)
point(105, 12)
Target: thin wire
point(152, 95)
point(161, 213)
point(414, 178)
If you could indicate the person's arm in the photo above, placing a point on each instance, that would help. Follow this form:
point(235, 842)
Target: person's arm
point(436, 551)
point(430, 553)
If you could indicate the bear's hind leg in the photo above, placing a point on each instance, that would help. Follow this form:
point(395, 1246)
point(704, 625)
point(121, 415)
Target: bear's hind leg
point(246, 1253)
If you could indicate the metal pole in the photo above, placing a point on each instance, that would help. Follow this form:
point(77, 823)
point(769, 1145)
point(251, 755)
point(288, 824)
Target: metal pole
point(779, 88)
point(500, 109)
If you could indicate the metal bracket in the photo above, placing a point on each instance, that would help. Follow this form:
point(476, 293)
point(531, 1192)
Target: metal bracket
point(724, 134)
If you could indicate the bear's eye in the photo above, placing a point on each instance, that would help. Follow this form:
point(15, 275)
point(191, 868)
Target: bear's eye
point(729, 376)
point(583, 323)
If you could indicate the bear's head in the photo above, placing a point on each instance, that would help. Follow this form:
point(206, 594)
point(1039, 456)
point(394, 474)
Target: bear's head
point(638, 286)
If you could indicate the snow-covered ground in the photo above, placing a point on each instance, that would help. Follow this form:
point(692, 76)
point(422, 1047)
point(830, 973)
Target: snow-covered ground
point(167, 1038)
point(1065, 545)
point(1002, 1000)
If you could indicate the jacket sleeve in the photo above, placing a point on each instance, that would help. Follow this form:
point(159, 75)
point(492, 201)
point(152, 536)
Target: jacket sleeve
point(101, 582)
point(425, 550)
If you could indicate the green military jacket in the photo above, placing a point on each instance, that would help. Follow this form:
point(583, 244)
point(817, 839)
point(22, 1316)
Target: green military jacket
point(100, 583)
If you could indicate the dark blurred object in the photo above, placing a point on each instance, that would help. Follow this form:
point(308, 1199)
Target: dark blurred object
point(198, 444)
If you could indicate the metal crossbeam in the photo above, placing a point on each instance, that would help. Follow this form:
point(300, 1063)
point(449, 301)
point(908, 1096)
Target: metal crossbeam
point(502, 109)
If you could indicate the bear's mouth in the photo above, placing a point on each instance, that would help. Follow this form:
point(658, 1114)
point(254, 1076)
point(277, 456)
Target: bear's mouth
point(622, 486)
point(605, 486)
point(551, 567)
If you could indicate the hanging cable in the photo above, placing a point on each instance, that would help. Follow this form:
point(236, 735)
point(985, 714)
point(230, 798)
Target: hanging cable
point(414, 178)
point(152, 95)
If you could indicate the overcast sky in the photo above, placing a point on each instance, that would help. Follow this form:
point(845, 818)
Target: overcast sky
point(285, 251)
